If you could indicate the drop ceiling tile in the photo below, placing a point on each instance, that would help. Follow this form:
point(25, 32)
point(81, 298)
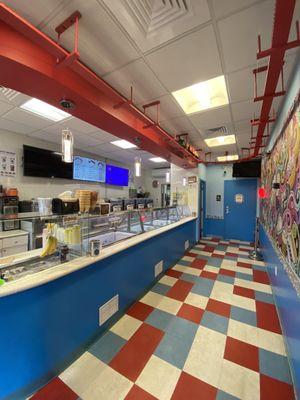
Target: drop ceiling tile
point(239, 32)
point(188, 60)
point(245, 110)
point(43, 135)
point(13, 126)
point(27, 118)
point(79, 125)
point(35, 11)
point(178, 125)
point(104, 136)
point(138, 75)
point(223, 8)
point(102, 45)
point(12, 97)
point(4, 107)
point(211, 119)
point(168, 108)
point(240, 85)
point(107, 147)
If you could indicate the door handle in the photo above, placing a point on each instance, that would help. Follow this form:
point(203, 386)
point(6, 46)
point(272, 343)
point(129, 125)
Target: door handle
point(227, 210)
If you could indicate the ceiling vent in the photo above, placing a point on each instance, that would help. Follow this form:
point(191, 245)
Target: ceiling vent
point(219, 130)
point(10, 94)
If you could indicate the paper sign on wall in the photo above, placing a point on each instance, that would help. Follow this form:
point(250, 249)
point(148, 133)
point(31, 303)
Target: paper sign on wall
point(239, 198)
point(7, 164)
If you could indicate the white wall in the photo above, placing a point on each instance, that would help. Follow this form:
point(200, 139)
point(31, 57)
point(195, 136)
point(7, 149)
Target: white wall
point(155, 193)
point(30, 187)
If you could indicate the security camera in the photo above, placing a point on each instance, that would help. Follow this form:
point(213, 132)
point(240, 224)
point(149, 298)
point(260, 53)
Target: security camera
point(67, 104)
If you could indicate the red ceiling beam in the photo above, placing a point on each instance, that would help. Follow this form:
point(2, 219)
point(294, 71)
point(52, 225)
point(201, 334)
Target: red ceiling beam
point(284, 10)
point(28, 63)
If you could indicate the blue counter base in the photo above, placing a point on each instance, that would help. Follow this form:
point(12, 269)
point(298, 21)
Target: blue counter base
point(45, 328)
point(288, 305)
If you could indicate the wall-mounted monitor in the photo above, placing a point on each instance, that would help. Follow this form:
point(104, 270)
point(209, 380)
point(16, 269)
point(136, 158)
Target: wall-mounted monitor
point(249, 169)
point(88, 169)
point(45, 163)
point(116, 175)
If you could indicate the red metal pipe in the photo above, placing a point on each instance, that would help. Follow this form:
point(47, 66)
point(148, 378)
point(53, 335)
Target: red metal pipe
point(284, 10)
point(28, 63)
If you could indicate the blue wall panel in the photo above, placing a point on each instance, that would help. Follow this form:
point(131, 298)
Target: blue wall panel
point(288, 305)
point(43, 329)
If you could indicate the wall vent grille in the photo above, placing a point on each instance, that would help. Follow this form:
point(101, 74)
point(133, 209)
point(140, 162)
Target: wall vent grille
point(108, 309)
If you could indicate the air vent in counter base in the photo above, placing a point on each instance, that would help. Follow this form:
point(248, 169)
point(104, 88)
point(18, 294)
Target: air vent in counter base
point(108, 309)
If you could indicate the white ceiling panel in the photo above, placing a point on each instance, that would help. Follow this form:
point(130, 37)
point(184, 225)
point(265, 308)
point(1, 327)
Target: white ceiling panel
point(188, 60)
point(102, 44)
point(239, 33)
point(224, 8)
point(12, 97)
point(178, 125)
point(14, 126)
point(4, 107)
point(240, 85)
point(105, 137)
point(35, 11)
point(211, 119)
point(27, 118)
point(245, 110)
point(43, 135)
point(79, 125)
point(168, 108)
point(138, 75)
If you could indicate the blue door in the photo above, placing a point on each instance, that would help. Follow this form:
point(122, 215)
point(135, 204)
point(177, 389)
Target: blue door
point(240, 209)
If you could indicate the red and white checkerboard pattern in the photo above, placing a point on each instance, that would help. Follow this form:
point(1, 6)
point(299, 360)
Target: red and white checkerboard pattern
point(208, 329)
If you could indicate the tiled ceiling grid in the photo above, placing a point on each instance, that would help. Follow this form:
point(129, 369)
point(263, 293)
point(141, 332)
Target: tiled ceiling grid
point(162, 46)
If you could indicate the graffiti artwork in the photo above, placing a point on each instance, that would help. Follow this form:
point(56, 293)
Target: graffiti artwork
point(280, 209)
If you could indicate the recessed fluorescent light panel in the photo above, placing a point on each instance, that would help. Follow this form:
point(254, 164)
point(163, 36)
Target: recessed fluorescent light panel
point(123, 144)
point(157, 159)
point(220, 140)
point(45, 110)
point(232, 157)
point(203, 95)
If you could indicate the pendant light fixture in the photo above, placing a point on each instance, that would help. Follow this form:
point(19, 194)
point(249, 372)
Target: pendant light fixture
point(67, 145)
point(168, 177)
point(138, 166)
point(184, 180)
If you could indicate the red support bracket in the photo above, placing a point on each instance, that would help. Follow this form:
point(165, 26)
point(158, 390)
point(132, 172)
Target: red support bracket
point(269, 96)
point(154, 103)
point(289, 45)
point(61, 28)
point(125, 102)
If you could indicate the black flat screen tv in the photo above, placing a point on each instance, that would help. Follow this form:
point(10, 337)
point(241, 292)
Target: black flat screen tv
point(45, 164)
point(248, 169)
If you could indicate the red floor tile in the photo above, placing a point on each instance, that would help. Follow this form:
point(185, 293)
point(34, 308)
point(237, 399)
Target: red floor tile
point(173, 273)
point(271, 388)
point(243, 264)
point(140, 310)
point(215, 240)
point(218, 307)
point(240, 291)
point(261, 277)
point(243, 249)
point(209, 249)
point(224, 271)
point(190, 388)
point(180, 290)
point(137, 393)
point(198, 263)
point(190, 313)
point(231, 254)
point(55, 390)
point(217, 255)
point(242, 353)
point(134, 355)
point(209, 275)
point(267, 317)
point(190, 254)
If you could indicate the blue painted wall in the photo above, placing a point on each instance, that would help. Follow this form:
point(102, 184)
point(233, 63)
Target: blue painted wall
point(45, 328)
point(288, 305)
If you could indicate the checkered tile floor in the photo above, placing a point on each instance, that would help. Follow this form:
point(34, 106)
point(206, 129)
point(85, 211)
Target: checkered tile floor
point(207, 330)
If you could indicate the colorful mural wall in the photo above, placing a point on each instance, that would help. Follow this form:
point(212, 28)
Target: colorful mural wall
point(280, 210)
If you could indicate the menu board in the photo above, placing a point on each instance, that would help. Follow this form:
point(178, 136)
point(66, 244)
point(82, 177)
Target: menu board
point(87, 169)
point(7, 163)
